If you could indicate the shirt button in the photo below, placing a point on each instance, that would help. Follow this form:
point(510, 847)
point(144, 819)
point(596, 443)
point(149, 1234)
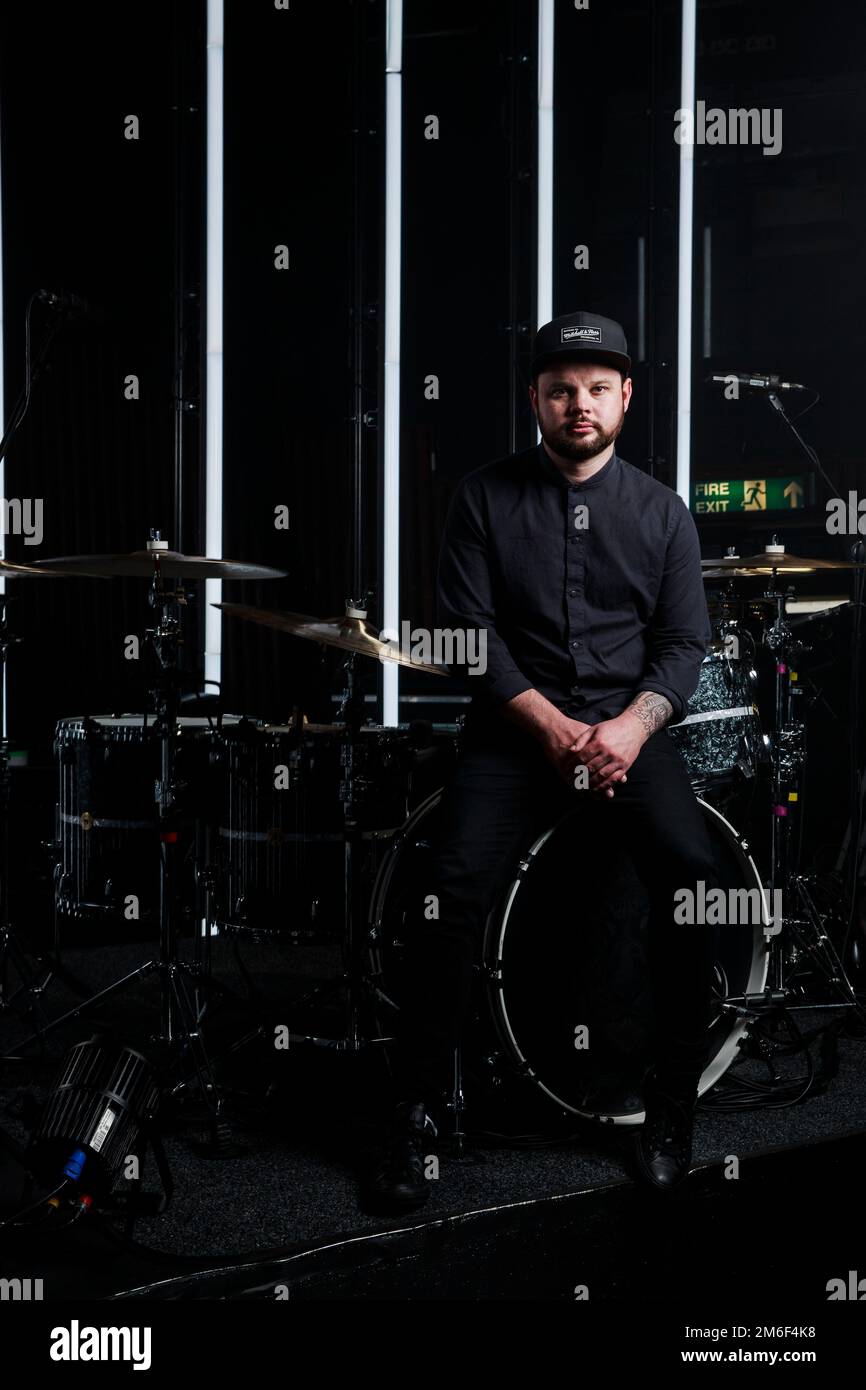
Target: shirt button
point(572, 593)
point(576, 643)
point(575, 690)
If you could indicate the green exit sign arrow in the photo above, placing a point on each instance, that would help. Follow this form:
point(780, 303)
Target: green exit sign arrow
point(748, 495)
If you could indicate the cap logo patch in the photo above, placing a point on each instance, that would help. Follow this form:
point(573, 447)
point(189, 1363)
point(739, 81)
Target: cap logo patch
point(580, 333)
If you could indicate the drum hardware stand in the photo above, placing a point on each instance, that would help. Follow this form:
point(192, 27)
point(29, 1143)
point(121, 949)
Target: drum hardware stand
point(851, 859)
point(355, 979)
point(180, 1016)
point(801, 925)
point(787, 757)
point(456, 1105)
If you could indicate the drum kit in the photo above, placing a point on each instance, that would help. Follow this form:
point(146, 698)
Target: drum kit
point(215, 824)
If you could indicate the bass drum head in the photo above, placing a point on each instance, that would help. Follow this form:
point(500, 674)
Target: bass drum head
point(564, 950)
point(566, 963)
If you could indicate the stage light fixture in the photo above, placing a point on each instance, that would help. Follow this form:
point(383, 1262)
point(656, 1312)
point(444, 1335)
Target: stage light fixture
point(104, 1096)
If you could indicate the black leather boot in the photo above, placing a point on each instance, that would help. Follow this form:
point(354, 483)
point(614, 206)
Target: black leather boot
point(663, 1149)
point(398, 1180)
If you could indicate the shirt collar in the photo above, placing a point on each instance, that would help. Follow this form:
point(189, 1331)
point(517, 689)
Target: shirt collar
point(553, 475)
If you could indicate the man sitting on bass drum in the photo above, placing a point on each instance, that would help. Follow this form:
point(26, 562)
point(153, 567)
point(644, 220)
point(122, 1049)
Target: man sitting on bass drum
point(585, 575)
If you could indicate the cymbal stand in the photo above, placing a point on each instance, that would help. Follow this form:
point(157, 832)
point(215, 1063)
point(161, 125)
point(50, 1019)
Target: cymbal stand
point(787, 753)
point(179, 1030)
point(355, 979)
point(801, 932)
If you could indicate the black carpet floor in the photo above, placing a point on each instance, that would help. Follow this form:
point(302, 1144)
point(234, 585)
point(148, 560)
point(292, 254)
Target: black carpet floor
point(534, 1215)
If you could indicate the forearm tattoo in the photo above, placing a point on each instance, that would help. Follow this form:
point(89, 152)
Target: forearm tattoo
point(652, 710)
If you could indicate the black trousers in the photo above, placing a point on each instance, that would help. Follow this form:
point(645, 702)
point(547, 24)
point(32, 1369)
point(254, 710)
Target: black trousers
point(502, 795)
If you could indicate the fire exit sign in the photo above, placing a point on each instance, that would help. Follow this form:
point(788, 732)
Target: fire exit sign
point(748, 495)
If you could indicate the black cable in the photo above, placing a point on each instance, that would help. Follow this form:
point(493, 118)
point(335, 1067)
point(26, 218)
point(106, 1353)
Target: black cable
point(747, 1093)
point(15, 1219)
point(816, 396)
point(22, 405)
point(58, 1227)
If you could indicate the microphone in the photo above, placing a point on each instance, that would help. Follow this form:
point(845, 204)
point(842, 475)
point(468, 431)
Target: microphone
point(67, 303)
point(757, 381)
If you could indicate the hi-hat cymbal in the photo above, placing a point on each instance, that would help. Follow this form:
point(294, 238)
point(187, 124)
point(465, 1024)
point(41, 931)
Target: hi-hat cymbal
point(172, 565)
point(350, 634)
point(768, 562)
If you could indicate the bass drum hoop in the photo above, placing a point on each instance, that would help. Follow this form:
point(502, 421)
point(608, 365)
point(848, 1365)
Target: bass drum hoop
point(492, 953)
point(387, 868)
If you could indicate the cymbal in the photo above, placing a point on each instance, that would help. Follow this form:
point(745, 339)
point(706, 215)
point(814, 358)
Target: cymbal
point(833, 609)
point(349, 634)
point(9, 570)
point(768, 562)
point(172, 565)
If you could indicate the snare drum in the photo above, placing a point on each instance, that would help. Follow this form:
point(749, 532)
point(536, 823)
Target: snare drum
point(721, 739)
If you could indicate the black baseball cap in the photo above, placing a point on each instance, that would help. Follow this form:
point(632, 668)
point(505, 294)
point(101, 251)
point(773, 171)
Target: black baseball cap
point(581, 336)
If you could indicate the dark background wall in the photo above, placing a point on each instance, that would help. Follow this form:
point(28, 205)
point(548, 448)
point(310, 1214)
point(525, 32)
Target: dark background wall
point(121, 222)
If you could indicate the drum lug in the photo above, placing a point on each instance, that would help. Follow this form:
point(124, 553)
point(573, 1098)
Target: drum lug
point(744, 846)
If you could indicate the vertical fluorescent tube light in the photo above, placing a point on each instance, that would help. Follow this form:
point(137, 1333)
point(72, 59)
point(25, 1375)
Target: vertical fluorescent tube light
point(684, 291)
point(544, 214)
point(2, 461)
point(393, 267)
point(544, 205)
point(214, 337)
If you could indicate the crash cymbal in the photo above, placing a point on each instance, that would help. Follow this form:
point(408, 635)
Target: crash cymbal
point(351, 634)
point(768, 561)
point(172, 565)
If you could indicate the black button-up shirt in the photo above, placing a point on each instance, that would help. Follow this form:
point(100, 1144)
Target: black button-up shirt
point(588, 592)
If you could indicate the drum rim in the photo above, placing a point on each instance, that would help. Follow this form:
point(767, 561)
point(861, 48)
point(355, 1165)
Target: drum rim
point(78, 723)
point(495, 926)
point(494, 934)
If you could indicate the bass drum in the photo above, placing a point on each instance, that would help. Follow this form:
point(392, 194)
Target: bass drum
point(564, 963)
